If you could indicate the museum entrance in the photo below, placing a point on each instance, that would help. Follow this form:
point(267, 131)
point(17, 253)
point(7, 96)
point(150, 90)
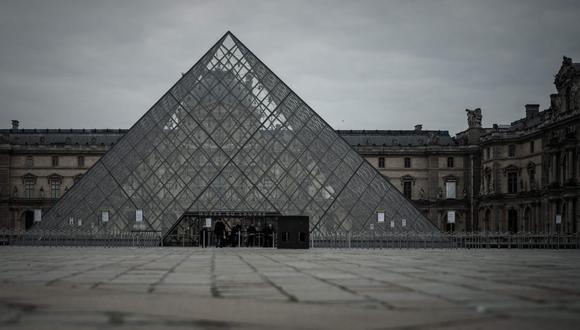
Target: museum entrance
point(224, 229)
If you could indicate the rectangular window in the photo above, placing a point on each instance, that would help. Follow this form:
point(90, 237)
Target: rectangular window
point(532, 147)
point(512, 183)
point(54, 161)
point(407, 162)
point(450, 188)
point(532, 173)
point(28, 187)
point(54, 188)
point(450, 162)
point(487, 153)
point(381, 162)
point(407, 189)
point(512, 150)
point(81, 161)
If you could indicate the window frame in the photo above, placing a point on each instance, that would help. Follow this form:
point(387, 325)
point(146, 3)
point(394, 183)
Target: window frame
point(81, 161)
point(29, 183)
point(407, 162)
point(450, 162)
point(408, 189)
point(512, 182)
point(55, 183)
point(511, 150)
point(381, 162)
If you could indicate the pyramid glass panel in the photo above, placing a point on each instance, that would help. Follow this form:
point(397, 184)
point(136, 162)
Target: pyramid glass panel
point(230, 136)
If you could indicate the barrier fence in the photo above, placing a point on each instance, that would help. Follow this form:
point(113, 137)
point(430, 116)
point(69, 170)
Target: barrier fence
point(62, 238)
point(447, 240)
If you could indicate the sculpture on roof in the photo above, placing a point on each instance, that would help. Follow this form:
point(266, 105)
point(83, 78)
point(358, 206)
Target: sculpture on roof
point(474, 118)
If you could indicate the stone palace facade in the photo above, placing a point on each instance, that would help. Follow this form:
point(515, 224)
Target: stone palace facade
point(519, 177)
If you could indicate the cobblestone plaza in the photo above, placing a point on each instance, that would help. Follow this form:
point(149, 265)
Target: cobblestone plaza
point(176, 288)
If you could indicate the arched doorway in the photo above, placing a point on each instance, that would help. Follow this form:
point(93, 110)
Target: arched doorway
point(28, 219)
point(512, 221)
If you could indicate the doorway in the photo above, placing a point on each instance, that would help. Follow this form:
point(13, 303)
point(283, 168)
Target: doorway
point(28, 217)
point(242, 229)
point(513, 221)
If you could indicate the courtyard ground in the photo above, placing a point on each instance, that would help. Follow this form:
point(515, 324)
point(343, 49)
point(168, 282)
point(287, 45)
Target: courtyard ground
point(192, 288)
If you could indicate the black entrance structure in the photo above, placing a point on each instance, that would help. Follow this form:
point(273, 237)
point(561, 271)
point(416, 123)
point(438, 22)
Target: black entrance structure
point(230, 136)
point(243, 229)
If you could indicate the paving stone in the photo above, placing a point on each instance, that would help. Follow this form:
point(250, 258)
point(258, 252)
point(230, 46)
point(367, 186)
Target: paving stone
point(338, 288)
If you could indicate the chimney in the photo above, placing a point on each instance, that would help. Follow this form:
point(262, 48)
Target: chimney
point(532, 110)
point(15, 124)
point(418, 127)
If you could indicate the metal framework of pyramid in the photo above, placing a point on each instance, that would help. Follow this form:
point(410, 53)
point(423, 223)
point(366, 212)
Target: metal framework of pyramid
point(231, 136)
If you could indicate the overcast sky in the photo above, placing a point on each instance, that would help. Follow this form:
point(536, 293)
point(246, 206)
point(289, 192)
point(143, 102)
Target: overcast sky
point(359, 64)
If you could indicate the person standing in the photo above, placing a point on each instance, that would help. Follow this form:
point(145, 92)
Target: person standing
point(251, 241)
point(219, 231)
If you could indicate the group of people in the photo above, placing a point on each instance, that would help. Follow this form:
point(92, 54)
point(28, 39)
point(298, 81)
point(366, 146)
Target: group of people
point(249, 237)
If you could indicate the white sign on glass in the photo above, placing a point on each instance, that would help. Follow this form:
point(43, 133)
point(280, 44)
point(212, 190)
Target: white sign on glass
point(404, 222)
point(207, 222)
point(450, 216)
point(37, 215)
point(71, 221)
point(372, 226)
point(381, 217)
point(139, 215)
point(392, 223)
point(105, 216)
point(80, 222)
point(558, 219)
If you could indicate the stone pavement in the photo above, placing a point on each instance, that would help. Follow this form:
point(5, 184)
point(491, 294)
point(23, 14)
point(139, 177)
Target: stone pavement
point(151, 288)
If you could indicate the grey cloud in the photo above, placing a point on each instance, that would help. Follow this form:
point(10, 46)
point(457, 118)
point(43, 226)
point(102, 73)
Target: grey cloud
point(360, 64)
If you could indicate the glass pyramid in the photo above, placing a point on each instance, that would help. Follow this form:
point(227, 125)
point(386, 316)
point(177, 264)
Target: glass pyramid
point(230, 136)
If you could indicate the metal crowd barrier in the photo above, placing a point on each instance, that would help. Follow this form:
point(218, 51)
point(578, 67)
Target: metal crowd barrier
point(72, 238)
point(445, 240)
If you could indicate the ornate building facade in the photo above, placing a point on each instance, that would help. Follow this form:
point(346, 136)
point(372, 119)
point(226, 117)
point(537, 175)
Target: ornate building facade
point(523, 176)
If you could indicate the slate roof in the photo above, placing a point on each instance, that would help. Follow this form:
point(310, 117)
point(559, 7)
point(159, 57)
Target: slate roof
point(397, 138)
point(61, 136)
